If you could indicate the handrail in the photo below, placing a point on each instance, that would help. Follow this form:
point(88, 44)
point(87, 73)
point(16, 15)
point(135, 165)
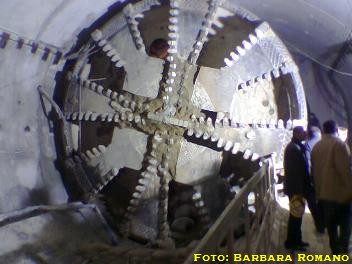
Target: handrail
point(223, 228)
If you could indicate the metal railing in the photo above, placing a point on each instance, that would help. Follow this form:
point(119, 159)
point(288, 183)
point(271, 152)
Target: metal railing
point(257, 223)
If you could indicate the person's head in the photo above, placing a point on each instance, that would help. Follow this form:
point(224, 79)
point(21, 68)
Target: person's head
point(330, 127)
point(298, 133)
point(159, 49)
point(313, 132)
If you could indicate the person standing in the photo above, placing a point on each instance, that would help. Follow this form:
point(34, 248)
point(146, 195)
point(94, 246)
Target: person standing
point(314, 135)
point(296, 186)
point(331, 168)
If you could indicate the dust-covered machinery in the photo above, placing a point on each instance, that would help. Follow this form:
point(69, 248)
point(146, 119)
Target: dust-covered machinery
point(164, 144)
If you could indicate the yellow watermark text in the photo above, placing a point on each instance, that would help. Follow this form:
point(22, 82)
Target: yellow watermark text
point(268, 258)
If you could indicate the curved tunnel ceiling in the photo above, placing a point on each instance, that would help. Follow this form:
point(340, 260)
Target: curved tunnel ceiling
point(36, 37)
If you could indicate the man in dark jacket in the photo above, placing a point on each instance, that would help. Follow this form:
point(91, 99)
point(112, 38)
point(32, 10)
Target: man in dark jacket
point(297, 185)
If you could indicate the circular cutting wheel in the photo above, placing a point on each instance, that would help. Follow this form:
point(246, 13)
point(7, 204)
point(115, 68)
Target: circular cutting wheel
point(138, 126)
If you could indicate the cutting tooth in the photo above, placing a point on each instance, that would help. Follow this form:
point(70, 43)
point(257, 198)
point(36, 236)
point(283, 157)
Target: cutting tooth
point(152, 169)
point(126, 103)
point(115, 58)
point(236, 148)
point(220, 115)
point(259, 79)
point(247, 153)
point(275, 73)
point(121, 98)
point(209, 122)
point(68, 116)
point(113, 54)
point(254, 123)
point(173, 28)
point(220, 143)
point(173, 20)
point(214, 137)
point(107, 48)
point(228, 62)
point(199, 204)
point(116, 118)
point(234, 123)
point(134, 202)
point(235, 57)
point(93, 86)
point(84, 157)
point(102, 43)
point(110, 117)
point(104, 116)
point(114, 172)
point(151, 115)
point(96, 35)
point(217, 122)
point(153, 161)
point(280, 124)
point(81, 115)
point(143, 181)
point(96, 152)
point(242, 86)
point(250, 135)
point(247, 45)
point(166, 98)
point(199, 133)
point(193, 118)
point(174, 4)
point(75, 116)
point(253, 39)
point(201, 120)
point(174, 12)
point(206, 136)
point(228, 145)
point(263, 123)
point(249, 83)
point(129, 116)
point(113, 95)
point(225, 121)
point(108, 93)
point(123, 116)
point(141, 188)
point(190, 132)
point(120, 64)
point(137, 118)
point(172, 50)
point(259, 33)
point(240, 50)
point(284, 69)
point(87, 115)
point(90, 154)
point(170, 58)
point(136, 195)
point(196, 196)
point(255, 157)
point(102, 148)
point(289, 124)
point(267, 76)
point(94, 116)
point(133, 105)
point(100, 89)
point(272, 123)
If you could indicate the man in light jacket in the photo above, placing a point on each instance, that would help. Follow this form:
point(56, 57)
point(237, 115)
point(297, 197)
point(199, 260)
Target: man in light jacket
point(331, 168)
